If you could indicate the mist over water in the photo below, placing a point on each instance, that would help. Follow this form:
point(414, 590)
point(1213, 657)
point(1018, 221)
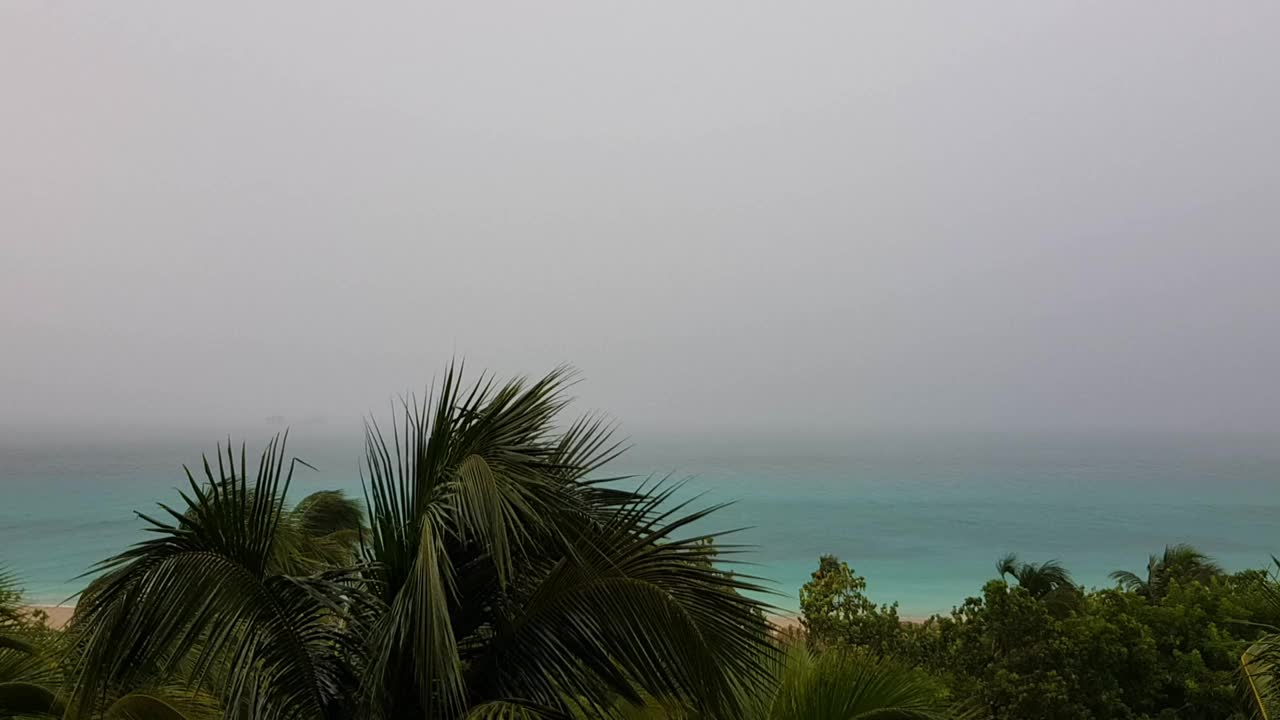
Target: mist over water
point(923, 516)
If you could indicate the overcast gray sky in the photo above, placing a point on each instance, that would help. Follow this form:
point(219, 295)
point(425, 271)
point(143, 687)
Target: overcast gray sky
point(727, 214)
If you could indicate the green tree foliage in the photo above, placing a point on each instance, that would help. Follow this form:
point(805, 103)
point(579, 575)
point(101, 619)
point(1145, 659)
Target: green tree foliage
point(1015, 659)
point(1017, 652)
point(834, 611)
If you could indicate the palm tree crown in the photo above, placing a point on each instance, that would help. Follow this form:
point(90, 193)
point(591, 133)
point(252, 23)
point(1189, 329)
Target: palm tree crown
point(847, 685)
point(1179, 563)
point(1038, 579)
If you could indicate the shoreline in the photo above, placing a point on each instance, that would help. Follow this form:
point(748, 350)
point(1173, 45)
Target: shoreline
point(789, 622)
point(57, 617)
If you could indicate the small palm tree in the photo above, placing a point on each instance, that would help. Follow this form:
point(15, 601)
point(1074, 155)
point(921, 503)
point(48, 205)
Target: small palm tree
point(1260, 663)
point(1038, 579)
point(1048, 581)
point(838, 684)
point(1257, 666)
point(31, 674)
point(1179, 563)
point(12, 619)
point(321, 532)
point(854, 686)
point(26, 669)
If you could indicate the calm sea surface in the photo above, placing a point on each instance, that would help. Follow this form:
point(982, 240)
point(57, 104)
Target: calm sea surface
point(923, 517)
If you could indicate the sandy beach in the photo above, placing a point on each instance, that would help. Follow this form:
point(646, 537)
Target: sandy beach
point(57, 616)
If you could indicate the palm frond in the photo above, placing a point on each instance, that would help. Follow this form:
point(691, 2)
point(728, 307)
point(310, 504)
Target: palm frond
point(1260, 663)
point(1258, 670)
point(1184, 562)
point(1007, 565)
point(23, 698)
point(10, 600)
point(16, 644)
point(852, 686)
point(512, 710)
point(328, 512)
point(1129, 581)
point(323, 531)
point(139, 706)
point(1045, 580)
point(634, 611)
point(29, 651)
point(34, 664)
point(1179, 563)
point(204, 587)
point(507, 573)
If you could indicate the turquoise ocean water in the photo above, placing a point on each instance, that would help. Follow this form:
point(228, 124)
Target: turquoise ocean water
point(922, 516)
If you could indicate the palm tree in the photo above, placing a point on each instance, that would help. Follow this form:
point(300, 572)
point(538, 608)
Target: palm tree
point(495, 580)
point(12, 618)
point(30, 672)
point(1179, 563)
point(1257, 666)
point(838, 684)
point(27, 669)
point(1038, 579)
point(322, 531)
point(1260, 663)
point(1048, 581)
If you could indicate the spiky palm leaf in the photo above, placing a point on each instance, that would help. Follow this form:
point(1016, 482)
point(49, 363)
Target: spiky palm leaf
point(25, 698)
point(14, 638)
point(29, 651)
point(511, 579)
point(160, 706)
point(323, 531)
point(33, 659)
point(838, 684)
point(1038, 579)
point(512, 710)
point(204, 592)
point(1258, 669)
point(10, 600)
point(1185, 563)
point(853, 686)
point(1260, 663)
point(1048, 582)
point(1131, 581)
point(34, 700)
point(631, 610)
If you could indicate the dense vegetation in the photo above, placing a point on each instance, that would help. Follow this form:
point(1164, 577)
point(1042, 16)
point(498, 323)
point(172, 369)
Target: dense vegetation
point(492, 572)
point(1034, 645)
